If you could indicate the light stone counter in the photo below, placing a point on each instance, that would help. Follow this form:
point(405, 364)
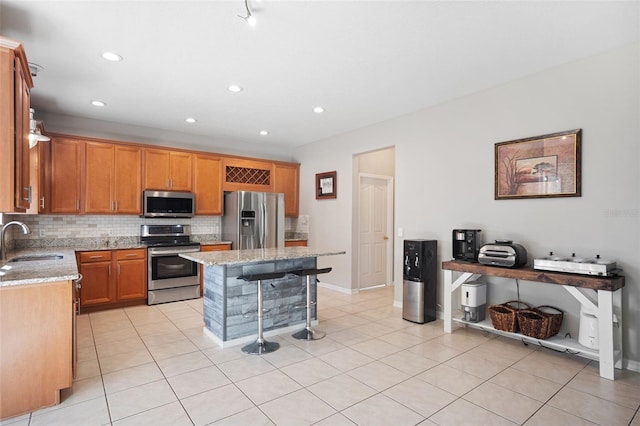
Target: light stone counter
point(232, 257)
point(38, 271)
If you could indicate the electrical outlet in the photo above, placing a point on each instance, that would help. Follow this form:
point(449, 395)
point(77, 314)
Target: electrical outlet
point(42, 233)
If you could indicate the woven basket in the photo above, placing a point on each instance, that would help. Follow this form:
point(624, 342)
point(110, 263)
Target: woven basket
point(541, 322)
point(504, 316)
point(554, 319)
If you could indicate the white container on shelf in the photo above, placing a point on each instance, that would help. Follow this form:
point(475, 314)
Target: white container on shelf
point(588, 334)
point(473, 297)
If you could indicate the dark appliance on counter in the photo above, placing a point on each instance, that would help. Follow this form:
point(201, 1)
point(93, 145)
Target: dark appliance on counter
point(164, 204)
point(419, 280)
point(503, 253)
point(170, 277)
point(466, 244)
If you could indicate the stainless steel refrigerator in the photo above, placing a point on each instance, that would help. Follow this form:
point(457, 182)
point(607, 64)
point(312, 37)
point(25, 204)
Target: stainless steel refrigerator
point(253, 220)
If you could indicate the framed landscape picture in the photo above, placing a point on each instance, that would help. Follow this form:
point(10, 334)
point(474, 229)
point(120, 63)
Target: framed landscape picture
point(539, 167)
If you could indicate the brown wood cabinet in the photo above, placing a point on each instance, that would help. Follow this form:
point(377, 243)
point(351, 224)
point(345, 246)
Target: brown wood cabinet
point(296, 243)
point(167, 170)
point(210, 247)
point(16, 83)
point(207, 184)
point(112, 276)
point(40, 169)
point(287, 181)
point(243, 174)
point(36, 350)
point(67, 165)
point(113, 178)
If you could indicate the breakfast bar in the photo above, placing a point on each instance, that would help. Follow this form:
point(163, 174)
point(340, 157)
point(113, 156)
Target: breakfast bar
point(230, 303)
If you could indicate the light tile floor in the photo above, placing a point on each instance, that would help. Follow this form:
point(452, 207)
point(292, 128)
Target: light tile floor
point(154, 366)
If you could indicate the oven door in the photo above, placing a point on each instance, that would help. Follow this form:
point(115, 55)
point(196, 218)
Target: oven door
point(168, 270)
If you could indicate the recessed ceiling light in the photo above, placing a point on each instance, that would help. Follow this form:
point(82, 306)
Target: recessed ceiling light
point(98, 103)
point(264, 132)
point(110, 56)
point(190, 120)
point(235, 88)
point(318, 110)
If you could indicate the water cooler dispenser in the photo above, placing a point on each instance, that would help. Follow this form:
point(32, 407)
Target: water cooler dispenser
point(419, 280)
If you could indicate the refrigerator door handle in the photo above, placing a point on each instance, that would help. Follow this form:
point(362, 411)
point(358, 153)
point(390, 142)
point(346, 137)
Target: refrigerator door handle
point(264, 225)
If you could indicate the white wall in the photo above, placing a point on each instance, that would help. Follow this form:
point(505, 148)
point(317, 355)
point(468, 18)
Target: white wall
point(445, 176)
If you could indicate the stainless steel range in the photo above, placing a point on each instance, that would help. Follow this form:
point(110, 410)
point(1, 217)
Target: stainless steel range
point(170, 277)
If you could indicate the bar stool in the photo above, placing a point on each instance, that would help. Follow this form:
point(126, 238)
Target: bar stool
point(261, 346)
point(308, 333)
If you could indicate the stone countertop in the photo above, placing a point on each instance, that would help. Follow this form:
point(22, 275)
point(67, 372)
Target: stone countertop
point(38, 271)
point(231, 257)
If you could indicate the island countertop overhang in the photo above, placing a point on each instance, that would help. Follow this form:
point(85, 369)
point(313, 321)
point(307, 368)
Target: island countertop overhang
point(231, 257)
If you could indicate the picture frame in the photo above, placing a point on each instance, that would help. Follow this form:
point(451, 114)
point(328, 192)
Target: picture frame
point(544, 166)
point(326, 185)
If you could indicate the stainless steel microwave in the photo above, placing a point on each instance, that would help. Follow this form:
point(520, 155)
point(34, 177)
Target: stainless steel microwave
point(168, 204)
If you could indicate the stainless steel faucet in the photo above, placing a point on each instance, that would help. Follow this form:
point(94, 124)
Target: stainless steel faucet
point(3, 245)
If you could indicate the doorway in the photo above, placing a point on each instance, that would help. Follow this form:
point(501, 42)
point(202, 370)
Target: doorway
point(373, 219)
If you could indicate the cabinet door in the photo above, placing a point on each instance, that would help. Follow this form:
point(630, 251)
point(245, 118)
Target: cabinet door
point(99, 176)
point(22, 103)
point(131, 281)
point(67, 158)
point(128, 180)
point(207, 184)
point(97, 284)
point(180, 171)
point(243, 174)
point(287, 182)
point(156, 169)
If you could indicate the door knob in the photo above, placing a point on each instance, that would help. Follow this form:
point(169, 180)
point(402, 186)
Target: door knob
point(385, 238)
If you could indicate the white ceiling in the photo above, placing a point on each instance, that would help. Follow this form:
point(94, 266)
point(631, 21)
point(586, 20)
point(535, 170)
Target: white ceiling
point(363, 61)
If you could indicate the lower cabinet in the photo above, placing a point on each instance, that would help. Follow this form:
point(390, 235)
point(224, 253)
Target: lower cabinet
point(36, 350)
point(112, 276)
point(210, 247)
point(295, 243)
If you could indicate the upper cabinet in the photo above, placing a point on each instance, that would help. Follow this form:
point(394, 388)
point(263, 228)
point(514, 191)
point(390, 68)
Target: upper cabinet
point(167, 170)
point(16, 83)
point(207, 184)
point(67, 165)
point(287, 181)
point(243, 174)
point(113, 178)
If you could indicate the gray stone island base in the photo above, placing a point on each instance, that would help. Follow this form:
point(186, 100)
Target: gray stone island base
point(230, 304)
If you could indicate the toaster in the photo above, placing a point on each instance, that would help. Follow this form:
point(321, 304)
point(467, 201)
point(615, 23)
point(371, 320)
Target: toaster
point(504, 253)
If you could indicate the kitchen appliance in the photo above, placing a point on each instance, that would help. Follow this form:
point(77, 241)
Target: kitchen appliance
point(170, 277)
point(253, 220)
point(577, 265)
point(163, 204)
point(419, 280)
point(466, 244)
point(473, 295)
point(503, 253)
point(588, 332)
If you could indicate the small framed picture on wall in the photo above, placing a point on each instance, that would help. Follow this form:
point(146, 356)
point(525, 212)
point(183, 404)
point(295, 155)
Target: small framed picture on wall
point(326, 185)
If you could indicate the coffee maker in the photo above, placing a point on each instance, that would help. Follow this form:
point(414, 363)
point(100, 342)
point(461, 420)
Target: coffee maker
point(466, 244)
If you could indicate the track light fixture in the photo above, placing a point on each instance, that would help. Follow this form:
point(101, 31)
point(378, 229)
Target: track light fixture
point(249, 19)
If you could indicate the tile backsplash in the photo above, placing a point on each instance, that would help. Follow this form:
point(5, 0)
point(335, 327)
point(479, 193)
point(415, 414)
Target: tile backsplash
point(49, 227)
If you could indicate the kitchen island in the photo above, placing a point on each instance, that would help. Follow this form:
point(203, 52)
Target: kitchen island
point(230, 304)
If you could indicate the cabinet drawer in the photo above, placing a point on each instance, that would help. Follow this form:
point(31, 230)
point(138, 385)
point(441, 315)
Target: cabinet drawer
point(95, 256)
point(130, 254)
point(215, 247)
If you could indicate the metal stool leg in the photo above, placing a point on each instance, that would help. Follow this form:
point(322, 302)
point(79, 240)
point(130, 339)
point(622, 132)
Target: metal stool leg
point(260, 346)
point(309, 333)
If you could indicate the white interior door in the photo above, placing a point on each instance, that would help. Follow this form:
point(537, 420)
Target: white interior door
point(374, 243)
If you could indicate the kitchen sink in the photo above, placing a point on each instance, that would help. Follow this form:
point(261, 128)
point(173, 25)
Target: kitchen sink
point(36, 257)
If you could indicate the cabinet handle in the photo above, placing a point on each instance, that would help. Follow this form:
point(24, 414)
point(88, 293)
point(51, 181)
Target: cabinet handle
point(77, 204)
point(169, 183)
point(131, 255)
point(109, 270)
point(115, 205)
point(27, 190)
point(98, 256)
point(42, 202)
point(118, 269)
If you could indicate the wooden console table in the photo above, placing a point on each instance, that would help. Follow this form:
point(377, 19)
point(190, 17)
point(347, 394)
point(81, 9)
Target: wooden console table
point(600, 294)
